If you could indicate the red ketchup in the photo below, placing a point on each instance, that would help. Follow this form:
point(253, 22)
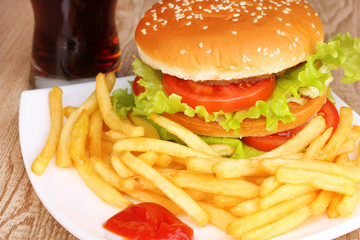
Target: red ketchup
point(148, 221)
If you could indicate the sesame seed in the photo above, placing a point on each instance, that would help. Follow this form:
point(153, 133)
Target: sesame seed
point(296, 39)
point(293, 59)
point(288, 24)
point(201, 44)
point(271, 55)
point(232, 67)
point(313, 25)
point(247, 67)
point(147, 23)
point(208, 51)
point(280, 19)
point(182, 51)
point(259, 49)
point(234, 32)
point(205, 27)
point(255, 20)
point(143, 31)
point(188, 23)
point(236, 15)
point(245, 59)
point(235, 19)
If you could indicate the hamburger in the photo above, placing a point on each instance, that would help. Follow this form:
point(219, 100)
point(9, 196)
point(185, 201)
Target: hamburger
point(237, 69)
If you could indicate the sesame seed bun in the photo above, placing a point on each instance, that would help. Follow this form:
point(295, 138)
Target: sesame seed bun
point(251, 127)
point(214, 40)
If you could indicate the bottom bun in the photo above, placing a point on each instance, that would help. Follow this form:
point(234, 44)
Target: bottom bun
point(250, 127)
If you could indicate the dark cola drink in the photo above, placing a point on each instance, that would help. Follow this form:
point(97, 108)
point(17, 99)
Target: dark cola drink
point(73, 41)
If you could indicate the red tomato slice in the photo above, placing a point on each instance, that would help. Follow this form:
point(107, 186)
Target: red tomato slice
point(268, 143)
point(137, 89)
point(229, 98)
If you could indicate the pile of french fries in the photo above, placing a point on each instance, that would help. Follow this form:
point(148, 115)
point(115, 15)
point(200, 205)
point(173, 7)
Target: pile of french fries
point(256, 198)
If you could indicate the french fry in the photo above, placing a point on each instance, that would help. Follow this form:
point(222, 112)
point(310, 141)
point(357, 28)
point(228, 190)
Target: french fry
point(319, 166)
point(120, 168)
point(107, 173)
point(222, 201)
point(280, 226)
point(95, 130)
point(348, 204)
point(342, 159)
point(149, 157)
point(113, 136)
point(188, 137)
point(319, 180)
point(223, 150)
point(355, 132)
point(321, 203)
point(146, 196)
point(317, 144)
point(257, 180)
point(149, 130)
point(201, 164)
point(218, 217)
point(357, 160)
point(179, 196)
point(109, 116)
point(284, 192)
point(79, 135)
point(56, 116)
point(198, 195)
point(159, 146)
point(103, 189)
point(245, 224)
point(107, 147)
point(234, 168)
point(209, 183)
point(63, 158)
point(68, 110)
point(348, 146)
point(268, 186)
point(300, 141)
point(138, 182)
point(163, 160)
point(341, 133)
point(332, 209)
point(246, 207)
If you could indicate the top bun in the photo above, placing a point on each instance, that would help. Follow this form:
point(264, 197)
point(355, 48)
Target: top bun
point(225, 40)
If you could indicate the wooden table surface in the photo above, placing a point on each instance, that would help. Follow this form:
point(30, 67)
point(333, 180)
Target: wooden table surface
point(22, 215)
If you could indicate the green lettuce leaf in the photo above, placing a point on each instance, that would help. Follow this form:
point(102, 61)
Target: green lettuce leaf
point(242, 150)
point(340, 51)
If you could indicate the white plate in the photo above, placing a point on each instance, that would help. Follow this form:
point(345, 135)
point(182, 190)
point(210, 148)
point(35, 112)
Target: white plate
point(82, 213)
